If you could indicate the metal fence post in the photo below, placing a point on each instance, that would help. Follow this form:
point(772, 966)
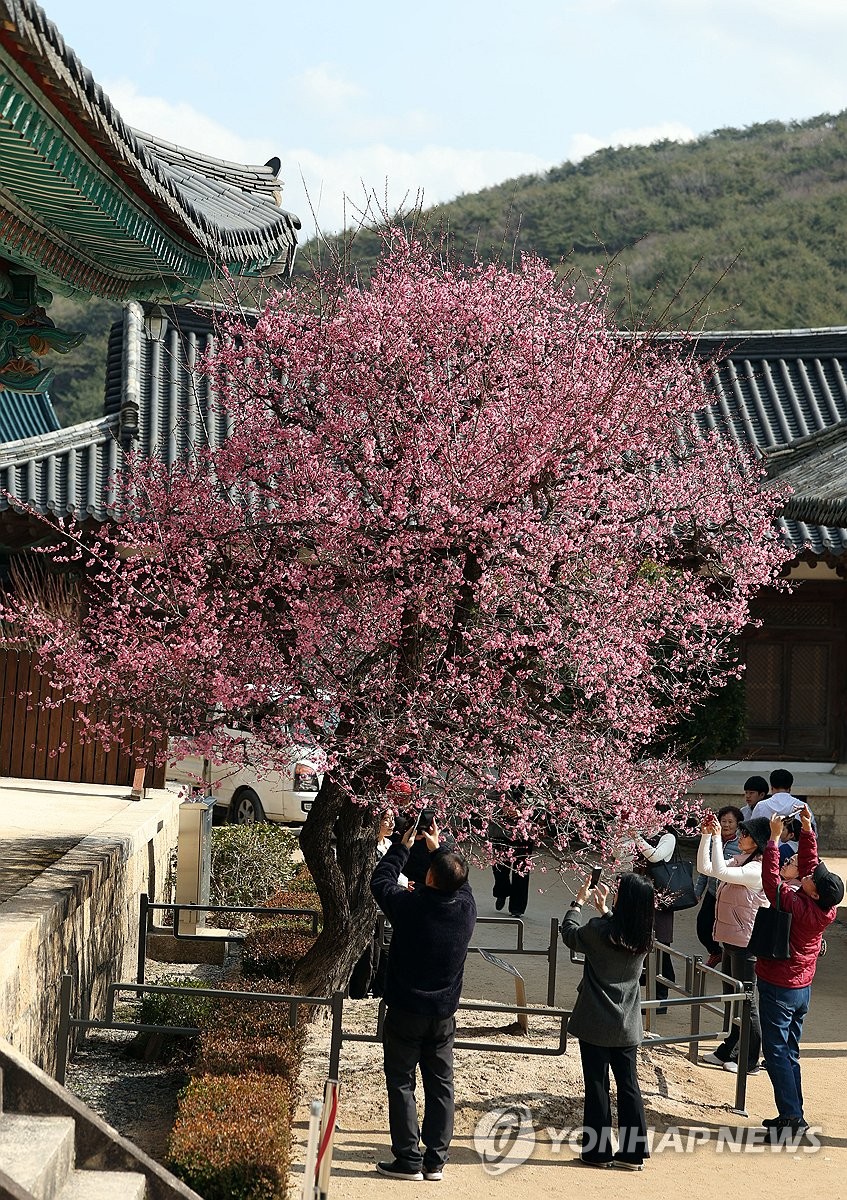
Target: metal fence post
point(743, 1050)
point(63, 1034)
point(552, 962)
point(650, 964)
point(337, 1008)
point(696, 989)
point(143, 918)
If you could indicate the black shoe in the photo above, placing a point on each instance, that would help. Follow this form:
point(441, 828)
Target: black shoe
point(399, 1170)
point(500, 903)
point(771, 1122)
point(512, 913)
point(628, 1164)
point(596, 1162)
point(787, 1130)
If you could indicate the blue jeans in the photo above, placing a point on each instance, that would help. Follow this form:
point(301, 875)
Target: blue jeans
point(782, 1011)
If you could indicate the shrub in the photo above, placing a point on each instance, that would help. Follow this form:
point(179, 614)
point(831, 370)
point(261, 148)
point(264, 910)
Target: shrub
point(250, 863)
point(176, 1009)
point(302, 881)
point(252, 1036)
point(272, 949)
point(232, 1137)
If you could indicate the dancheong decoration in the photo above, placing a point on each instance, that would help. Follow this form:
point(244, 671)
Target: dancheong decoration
point(27, 334)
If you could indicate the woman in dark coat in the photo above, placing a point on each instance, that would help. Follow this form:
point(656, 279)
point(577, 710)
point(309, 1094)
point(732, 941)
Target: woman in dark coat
point(607, 1016)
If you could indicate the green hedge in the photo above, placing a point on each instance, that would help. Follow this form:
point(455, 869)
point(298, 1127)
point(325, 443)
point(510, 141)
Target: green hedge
point(184, 1009)
point(250, 863)
point(272, 947)
point(271, 950)
point(232, 1137)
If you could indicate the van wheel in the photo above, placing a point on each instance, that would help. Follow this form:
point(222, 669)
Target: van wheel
point(246, 808)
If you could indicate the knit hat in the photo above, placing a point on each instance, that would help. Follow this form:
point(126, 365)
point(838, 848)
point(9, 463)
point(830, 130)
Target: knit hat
point(759, 829)
point(757, 783)
point(830, 887)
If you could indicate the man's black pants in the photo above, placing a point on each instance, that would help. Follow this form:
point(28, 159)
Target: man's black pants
point(411, 1040)
point(597, 1113)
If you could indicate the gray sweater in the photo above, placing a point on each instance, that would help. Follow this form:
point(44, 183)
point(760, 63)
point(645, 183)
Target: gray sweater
point(608, 1004)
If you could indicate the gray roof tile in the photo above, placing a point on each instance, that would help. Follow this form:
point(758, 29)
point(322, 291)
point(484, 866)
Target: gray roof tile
point(784, 392)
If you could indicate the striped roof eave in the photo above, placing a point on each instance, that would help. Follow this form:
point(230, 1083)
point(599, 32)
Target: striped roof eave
point(35, 45)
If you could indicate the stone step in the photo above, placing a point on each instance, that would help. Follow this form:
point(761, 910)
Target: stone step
point(37, 1152)
point(104, 1185)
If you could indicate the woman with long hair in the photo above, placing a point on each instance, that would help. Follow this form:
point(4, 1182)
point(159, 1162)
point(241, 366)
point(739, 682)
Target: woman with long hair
point(368, 975)
point(606, 1018)
point(738, 899)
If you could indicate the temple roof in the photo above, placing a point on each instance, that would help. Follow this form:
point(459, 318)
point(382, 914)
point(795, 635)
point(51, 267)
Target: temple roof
point(93, 206)
point(783, 392)
point(155, 404)
point(25, 415)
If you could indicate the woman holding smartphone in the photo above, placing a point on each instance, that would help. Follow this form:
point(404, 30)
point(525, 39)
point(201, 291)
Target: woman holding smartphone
point(607, 1016)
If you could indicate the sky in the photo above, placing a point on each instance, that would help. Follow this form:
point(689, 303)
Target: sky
point(383, 103)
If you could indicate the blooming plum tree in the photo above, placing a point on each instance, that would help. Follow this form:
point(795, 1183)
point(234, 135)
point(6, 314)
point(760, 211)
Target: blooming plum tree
point(463, 532)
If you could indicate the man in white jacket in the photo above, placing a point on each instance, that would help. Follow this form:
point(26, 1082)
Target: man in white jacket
point(780, 802)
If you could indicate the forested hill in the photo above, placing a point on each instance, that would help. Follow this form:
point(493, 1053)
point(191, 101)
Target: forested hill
point(760, 214)
point(763, 211)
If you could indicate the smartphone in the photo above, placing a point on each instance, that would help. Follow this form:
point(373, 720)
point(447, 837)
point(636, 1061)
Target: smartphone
point(596, 872)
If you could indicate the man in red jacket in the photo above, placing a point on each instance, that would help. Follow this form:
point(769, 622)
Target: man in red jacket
point(785, 986)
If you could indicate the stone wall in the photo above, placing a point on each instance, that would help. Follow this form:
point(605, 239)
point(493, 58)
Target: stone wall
point(822, 785)
point(80, 916)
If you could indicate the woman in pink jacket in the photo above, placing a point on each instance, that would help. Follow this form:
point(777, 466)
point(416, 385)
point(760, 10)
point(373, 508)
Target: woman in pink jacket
point(739, 897)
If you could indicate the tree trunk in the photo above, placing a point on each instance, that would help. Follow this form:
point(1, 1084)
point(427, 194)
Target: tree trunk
point(342, 876)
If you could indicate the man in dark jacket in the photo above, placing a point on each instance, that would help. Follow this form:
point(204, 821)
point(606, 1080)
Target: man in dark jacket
point(432, 928)
point(785, 986)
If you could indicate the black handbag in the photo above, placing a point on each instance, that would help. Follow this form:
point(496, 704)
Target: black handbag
point(674, 884)
point(771, 936)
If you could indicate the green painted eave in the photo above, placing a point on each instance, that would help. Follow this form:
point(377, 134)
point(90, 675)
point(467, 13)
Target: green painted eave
point(75, 222)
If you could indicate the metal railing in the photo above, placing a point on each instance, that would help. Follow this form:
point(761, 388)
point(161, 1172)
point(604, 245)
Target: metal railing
point(550, 951)
point(147, 907)
point(482, 1006)
point(68, 1023)
point(735, 1004)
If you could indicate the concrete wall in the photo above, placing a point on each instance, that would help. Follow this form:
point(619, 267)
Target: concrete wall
point(80, 916)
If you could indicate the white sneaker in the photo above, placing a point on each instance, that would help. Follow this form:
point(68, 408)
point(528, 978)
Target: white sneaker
point(732, 1067)
point(712, 1059)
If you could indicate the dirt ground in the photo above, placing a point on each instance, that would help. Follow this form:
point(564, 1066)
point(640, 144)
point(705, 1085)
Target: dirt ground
point(542, 1095)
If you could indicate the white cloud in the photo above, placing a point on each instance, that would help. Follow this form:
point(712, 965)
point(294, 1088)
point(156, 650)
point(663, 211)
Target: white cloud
point(184, 125)
point(345, 111)
point(583, 144)
point(434, 173)
point(325, 89)
point(388, 178)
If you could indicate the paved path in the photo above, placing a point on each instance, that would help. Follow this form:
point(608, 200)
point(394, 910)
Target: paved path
point(671, 1175)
